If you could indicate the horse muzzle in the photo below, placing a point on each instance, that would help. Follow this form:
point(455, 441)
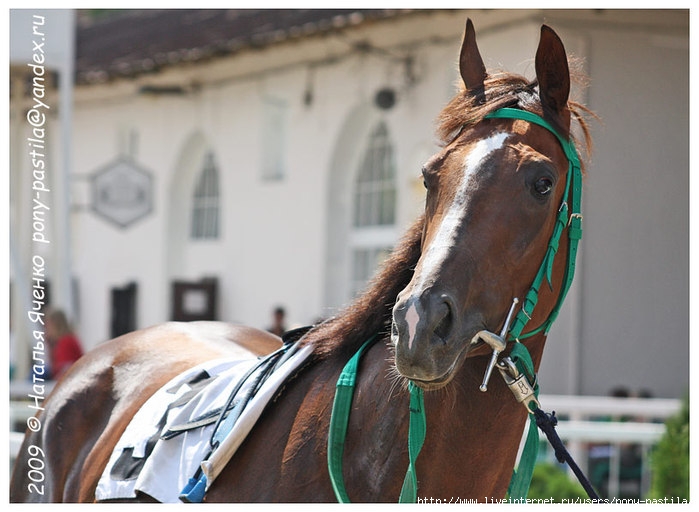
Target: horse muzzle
point(429, 339)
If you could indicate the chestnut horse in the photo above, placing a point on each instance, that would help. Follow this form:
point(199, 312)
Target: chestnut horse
point(495, 191)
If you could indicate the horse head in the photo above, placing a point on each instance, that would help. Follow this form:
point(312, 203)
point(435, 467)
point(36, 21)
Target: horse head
point(494, 192)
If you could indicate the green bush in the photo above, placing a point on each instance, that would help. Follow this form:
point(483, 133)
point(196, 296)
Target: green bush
point(670, 458)
point(549, 481)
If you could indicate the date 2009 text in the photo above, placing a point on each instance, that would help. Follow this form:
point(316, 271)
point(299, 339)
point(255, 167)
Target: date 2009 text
point(35, 469)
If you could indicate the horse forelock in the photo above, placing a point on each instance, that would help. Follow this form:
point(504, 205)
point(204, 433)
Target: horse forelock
point(506, 90)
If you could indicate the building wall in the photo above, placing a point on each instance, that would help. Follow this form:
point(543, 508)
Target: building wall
point(636, 260)
point(276, 234)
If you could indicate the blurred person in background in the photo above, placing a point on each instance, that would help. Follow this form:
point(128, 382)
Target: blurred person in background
point(278, 326)
point(64, 345)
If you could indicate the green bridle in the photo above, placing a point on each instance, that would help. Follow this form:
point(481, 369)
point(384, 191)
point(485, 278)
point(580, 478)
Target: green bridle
point(520, 361)
point(569, 214)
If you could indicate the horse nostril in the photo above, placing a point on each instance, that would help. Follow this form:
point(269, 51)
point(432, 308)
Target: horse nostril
point(394, 332)
point(423, 320)
point(444, 325)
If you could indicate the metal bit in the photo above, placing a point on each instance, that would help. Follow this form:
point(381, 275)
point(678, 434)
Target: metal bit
point(498, 344)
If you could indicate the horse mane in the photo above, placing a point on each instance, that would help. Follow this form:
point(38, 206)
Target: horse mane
point(370, 313)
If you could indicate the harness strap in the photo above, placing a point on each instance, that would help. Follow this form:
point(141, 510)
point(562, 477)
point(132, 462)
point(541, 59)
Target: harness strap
point(522, 475)
point(226, 421)
point(339, 418)
point(416, 437)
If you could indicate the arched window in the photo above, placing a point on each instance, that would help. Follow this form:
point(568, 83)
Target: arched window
point(375, 187)
point(205, 203)
point(373, 223)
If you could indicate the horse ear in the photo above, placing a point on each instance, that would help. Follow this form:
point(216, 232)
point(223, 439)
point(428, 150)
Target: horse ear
point(471, 64)
point(553, 76)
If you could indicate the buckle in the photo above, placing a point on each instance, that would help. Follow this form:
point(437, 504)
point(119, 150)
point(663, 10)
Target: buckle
point(518, 383)
point(577, 216)
point(575, 226)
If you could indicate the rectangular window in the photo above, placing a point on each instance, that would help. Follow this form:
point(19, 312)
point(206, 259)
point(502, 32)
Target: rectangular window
point(274, 133)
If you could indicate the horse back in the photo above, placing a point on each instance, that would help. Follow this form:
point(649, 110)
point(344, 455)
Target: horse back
point(89, 409)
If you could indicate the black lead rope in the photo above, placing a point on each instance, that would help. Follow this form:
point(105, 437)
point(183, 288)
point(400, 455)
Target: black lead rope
point(547, 424)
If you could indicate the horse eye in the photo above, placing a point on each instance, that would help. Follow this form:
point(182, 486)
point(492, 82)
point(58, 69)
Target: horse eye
point(543, 186)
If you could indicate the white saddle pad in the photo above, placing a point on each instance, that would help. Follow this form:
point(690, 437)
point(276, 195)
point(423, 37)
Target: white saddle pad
point(143, 461)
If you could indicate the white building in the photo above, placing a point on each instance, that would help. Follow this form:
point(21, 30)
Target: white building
point(229, 145)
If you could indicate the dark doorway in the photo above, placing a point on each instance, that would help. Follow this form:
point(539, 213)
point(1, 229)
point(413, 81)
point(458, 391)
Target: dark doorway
point(124, 309)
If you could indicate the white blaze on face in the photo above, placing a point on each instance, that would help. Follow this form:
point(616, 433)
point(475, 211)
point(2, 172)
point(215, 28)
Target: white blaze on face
point(445, 238)
point(411, 317)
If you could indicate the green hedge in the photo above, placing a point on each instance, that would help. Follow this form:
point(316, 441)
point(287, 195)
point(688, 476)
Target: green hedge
point(670, 458)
